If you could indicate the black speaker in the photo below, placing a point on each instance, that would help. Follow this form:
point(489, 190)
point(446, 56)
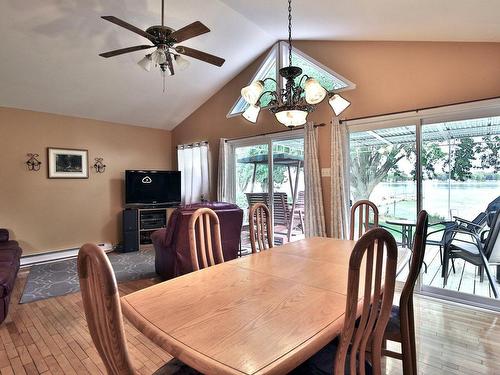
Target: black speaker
point(130, 221)
point(130, 231)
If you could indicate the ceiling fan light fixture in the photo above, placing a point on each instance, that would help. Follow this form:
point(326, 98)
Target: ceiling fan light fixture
point(252, 92)
point(315, 93)
point(146, 63)
point(252, 113)
point(181, 62)
point(292, 117)
point(338, 104)
point(158, 57)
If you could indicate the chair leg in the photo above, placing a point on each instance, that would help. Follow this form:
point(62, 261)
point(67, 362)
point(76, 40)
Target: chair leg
point(446, 261)
point(481, 274)
point(441, 254)
point(413, 345)
point(405, 343)
point(491, 280)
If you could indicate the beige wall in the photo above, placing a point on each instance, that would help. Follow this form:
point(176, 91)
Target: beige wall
point(390, 77)
point(53, 214)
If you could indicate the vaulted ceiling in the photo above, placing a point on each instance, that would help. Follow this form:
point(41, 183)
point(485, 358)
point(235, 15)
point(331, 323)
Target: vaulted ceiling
point(49, 49)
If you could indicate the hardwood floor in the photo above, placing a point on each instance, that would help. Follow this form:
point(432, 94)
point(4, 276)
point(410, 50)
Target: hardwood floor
point(51, 337)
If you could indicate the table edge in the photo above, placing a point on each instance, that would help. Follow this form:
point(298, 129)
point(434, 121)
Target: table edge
point(172, 346)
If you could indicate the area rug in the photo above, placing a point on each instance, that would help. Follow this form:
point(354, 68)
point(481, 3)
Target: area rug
point(61, 278)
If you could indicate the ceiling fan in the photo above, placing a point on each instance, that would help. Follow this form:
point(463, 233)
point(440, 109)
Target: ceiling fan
point(165, 41)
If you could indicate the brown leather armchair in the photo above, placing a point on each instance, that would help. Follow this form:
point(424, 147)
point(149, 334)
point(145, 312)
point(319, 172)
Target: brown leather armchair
point(172, 255)
point(10, 255)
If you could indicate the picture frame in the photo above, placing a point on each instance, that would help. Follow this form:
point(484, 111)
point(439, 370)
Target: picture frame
point(67, 163)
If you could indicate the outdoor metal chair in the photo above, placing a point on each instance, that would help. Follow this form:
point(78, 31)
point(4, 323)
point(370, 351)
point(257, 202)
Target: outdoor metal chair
point(446, 229)
point(480, 251)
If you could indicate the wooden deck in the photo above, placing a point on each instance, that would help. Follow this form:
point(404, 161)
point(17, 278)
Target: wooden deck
point(465, 279)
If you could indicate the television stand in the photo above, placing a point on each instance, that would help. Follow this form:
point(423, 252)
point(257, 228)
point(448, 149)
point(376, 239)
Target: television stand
point(140, 223)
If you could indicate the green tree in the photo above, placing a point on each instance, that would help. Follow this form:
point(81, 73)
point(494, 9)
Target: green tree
point(489, 151)
point(370, 165)
point(245, 171)
point(461, 159)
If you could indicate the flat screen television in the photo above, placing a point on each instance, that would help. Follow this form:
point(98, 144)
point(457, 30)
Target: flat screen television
point(152, 187)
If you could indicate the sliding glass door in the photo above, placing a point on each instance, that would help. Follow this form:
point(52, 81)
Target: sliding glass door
point(288, 189)
point(265, 167)
point(251, 173)
point(460, 180)
point(382, 170)
point(449, 165)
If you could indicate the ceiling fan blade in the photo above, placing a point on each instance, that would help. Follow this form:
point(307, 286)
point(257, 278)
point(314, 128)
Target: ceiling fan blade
point(203, 56)
point(130, 27)
point(189, 31)
point(121, 51)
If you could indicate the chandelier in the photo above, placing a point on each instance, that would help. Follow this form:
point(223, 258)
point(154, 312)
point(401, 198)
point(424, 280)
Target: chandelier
point(295, 101)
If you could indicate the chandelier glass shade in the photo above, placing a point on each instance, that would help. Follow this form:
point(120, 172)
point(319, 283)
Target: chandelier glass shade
point(292, 117)
point(251, 113)
point(292, 103)
point(338, 104)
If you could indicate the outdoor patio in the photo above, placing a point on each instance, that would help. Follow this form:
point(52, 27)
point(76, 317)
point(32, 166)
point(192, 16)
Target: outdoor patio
point(465, 279)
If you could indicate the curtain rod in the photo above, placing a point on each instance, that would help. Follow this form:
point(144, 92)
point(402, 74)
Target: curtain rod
point(419, 109)
point(276, 132)
point(192, 144)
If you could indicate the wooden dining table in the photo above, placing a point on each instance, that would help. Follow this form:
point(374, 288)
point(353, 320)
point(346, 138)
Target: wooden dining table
point(261, 314)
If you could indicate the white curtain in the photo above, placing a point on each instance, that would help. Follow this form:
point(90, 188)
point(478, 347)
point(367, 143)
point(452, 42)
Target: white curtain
point(314, 210)
point(222, 195)
point(339, 180)
point(194, 164)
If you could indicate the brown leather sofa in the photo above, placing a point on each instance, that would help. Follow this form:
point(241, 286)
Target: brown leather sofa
point(10, 255)
point(172, 255)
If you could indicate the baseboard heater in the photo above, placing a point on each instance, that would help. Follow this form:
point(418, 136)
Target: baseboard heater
point(54, 256)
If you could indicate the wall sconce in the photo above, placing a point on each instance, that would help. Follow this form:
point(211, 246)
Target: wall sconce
point(99, 166)
point(33, 163)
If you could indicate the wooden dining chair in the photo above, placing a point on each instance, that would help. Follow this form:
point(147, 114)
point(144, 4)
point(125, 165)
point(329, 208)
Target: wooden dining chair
point(101, 302)
point(204, 245)
point(401, 326)
point(261, 230)
point(361, 213)
point(373, 262)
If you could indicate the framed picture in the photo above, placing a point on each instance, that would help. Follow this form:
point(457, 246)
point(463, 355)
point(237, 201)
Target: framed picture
point(67, 163)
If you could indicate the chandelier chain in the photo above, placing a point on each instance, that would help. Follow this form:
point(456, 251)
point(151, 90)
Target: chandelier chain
point(289, 32)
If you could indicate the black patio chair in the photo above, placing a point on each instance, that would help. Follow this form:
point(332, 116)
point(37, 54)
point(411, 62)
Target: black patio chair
point(446, 229)
point(480, 251)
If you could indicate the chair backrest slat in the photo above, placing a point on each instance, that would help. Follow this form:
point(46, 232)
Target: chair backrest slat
point(365, 209)
point(281, 212)
point(101, 303)
point(261, 231)
point(377, 247)
point(205, 220)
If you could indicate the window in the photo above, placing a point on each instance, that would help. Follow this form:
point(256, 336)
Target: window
point(278, 58)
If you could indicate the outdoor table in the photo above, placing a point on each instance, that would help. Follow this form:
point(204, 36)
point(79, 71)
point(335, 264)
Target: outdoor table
point(406, 230)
